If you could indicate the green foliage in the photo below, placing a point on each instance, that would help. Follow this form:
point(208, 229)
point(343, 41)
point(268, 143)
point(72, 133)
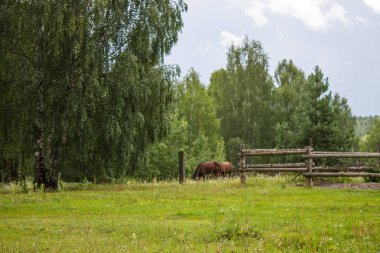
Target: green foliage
point(260, 115)
point(364, 124)
point(243, 95)
point(307, 109)
point(332, 124)
point(162, 157)
point(371, 141)
point(86, 81)
point(232, 150)
point(293, 107)
point(194, 128)
point(197, 107)
point(84, 93)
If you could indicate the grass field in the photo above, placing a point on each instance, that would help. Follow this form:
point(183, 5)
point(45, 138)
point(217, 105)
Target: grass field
point(269, 215)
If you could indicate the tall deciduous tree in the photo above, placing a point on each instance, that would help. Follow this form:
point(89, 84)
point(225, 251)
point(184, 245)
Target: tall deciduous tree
point(293, 107)
point(88, 82)
point(244, 96)
point(198, 109)
point(194, 128)
point(161, 160)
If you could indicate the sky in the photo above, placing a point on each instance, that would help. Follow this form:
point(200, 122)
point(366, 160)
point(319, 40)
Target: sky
point(342, 37)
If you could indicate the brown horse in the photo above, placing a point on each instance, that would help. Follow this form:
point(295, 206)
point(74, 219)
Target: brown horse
point(226, 168)
point(207, 168)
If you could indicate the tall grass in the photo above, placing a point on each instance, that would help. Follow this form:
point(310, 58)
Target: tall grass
point(269, 215)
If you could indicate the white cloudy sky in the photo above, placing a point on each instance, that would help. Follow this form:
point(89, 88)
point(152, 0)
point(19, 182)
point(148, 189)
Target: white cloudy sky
point(341, 36)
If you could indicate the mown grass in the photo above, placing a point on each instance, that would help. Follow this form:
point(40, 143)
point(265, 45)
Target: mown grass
point(269, 215)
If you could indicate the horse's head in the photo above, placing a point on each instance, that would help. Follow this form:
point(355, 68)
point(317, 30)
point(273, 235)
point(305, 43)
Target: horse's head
point(217, 169)
point(196, 173)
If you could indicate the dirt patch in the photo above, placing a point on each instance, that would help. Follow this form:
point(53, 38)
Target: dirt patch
point(366, 186)
point(320, 182)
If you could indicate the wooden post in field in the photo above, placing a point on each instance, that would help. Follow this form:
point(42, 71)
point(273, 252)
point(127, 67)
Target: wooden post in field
point(309, 161)
point(181, 159)
point(378, 150)
point(242, 165)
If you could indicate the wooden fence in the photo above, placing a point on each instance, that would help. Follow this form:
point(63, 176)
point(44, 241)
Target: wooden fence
point(308, 168)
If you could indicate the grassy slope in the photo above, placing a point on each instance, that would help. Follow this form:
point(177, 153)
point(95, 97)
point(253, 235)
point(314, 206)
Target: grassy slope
point(266, 216)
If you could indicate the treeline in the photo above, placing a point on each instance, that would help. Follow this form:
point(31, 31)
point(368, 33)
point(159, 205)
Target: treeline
point(368, 129)
point(85, 96)
point(364, 124)
point(244, 103)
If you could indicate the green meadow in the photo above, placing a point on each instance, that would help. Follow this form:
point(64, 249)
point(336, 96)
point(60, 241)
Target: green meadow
point(269, 215)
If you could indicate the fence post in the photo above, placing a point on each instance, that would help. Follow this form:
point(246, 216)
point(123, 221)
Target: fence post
point(378, 150)
point(309, 161)
point(242, 165)
point(181, 159)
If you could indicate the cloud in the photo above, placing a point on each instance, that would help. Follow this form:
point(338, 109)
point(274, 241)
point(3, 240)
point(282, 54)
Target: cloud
point(227, 39)
point(256, 11)
point(283, 35)
point(373, 4)
point(315, 14)
point(202, 48)
point(362, 20)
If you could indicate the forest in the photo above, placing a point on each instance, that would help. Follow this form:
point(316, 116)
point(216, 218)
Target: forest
point(85, 95)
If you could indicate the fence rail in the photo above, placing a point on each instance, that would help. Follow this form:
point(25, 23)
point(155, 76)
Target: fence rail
point(260, 152)
point(308, 168)
point(276, 165)
point(341, 155)
point(341, 168)
point(274, 169)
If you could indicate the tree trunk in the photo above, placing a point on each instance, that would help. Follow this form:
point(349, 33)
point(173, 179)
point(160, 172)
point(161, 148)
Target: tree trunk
point(45, 173)
point(45, 169)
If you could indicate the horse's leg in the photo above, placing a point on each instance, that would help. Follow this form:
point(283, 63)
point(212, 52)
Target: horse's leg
point(217, 175)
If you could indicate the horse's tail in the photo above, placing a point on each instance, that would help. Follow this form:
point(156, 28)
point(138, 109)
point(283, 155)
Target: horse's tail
point(196, 173)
